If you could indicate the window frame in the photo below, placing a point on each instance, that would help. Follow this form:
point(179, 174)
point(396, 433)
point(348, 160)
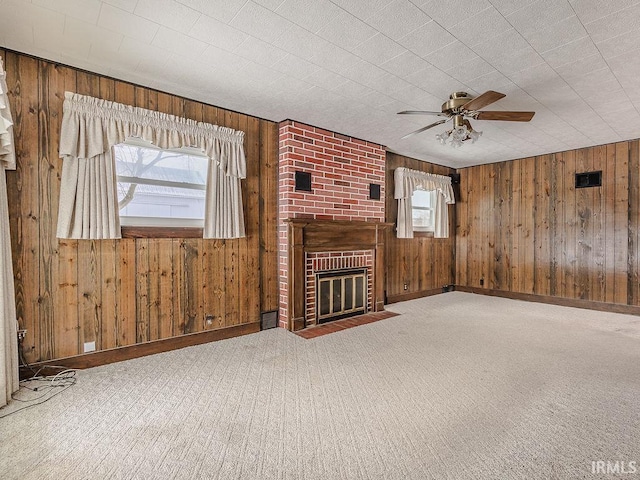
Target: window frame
point(160, 231)
point(423, 232)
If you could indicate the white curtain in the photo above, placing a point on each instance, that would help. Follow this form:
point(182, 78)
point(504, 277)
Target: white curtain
point(88, 198)
point(8, 328)
point(406, 182)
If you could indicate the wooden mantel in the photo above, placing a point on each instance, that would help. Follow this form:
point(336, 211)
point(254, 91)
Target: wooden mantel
point(311, 235)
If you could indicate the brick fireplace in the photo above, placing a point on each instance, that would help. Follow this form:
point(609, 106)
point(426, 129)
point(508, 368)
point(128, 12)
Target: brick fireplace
point(335, 226)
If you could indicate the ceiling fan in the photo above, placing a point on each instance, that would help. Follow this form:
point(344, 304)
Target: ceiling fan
point(461, 105)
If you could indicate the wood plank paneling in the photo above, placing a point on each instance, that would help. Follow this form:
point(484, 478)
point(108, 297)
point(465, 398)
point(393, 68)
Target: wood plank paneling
point(551, 239)
point(125, 292)
point(422, 263)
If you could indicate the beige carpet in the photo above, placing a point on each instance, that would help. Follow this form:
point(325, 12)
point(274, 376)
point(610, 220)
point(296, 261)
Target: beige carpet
point(458, 386)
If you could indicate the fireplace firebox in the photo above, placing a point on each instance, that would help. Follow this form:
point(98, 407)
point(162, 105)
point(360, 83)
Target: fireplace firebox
point(340, 294)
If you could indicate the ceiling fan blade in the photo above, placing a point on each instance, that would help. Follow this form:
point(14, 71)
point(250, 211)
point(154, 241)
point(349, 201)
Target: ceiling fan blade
point(506, 116)
point(487, 98)
point(439, 122)
point(422, 112)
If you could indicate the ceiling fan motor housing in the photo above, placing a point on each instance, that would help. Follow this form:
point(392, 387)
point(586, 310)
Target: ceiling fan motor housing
point(456, 100)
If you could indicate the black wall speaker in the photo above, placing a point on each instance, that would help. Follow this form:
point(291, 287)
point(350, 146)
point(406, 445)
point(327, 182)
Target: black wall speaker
point(303, 181)
point(374, 191)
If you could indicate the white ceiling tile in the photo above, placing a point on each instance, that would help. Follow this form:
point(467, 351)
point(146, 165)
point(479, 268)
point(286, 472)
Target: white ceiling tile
point(223, 10)
point(361, 8)
point(254, 71)
point(364, 72)
point(58, 43)
point(620, 44)
point(582, 66)
point(17, 36)
point(626, 68)
point(150, 59)
point(214, 32)
point(450, 56)
point(346, 31)
point(334, 58)
point(83, 32)
point(260, 52)
point(85, 10)
point(30, 15)
point(534, 76)
point(538, 15)
point(507, 7)
point(436, 82)
point(217, 57)
point(500, 45)
point(614, 24)
point(270, 4)
point(451, 12)
point(119, 21)
point(413, 95)
point(169, 13)
point(379, 49)
point(591, 10)
point(397, 19)
point(178, 43)
point(298, 41)
point(474, 68)
point(426, 39)
point(326, 79)
point(404, 64)
point(260, 22)
point(568, 53)
point(128, 5)
point(388, 83)
point(491, 81)
point(296, 67)
point(115, 56)
point(354, 90)
point(478, 28)
point(595, 85)
point(310, 15)
point(565, 31)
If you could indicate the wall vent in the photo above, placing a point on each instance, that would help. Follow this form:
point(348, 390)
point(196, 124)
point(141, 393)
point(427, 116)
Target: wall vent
point(589, 179)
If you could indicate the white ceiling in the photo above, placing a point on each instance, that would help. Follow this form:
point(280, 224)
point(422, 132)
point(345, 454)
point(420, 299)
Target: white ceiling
point(350, 65)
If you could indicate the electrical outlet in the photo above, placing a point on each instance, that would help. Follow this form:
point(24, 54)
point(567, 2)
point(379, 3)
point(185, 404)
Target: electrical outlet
point(481, 282)
point(208, 320)
point(406, 286)
point(21, 334)
point(89, 347)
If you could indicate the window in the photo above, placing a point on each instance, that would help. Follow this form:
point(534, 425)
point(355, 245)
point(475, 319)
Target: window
point(160, 188)
point(423, 210)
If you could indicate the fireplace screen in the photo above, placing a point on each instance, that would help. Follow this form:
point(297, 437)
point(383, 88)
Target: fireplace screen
point(341, 294)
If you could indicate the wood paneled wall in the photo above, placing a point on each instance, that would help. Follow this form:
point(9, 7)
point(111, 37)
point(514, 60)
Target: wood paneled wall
point(524, 227)
point(424, 264)
point(125, 292)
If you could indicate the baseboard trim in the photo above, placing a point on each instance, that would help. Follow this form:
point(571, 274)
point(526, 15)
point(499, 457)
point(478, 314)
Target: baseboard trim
point(564, 302)
point(402, 297)
point(104, 357)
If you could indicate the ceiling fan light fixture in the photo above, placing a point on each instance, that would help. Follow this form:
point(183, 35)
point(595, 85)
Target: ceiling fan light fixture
point(459, 134)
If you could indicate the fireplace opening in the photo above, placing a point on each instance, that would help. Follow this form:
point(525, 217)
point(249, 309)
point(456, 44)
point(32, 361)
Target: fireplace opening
point(340, 294)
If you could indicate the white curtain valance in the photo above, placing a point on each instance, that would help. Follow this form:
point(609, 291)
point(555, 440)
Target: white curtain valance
point(7, 145)
point(408, 181)
point(91, 126)
point(88, 198)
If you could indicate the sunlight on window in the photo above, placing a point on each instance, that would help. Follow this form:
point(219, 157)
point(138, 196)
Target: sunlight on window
point(160, 187)
point(423, 203)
